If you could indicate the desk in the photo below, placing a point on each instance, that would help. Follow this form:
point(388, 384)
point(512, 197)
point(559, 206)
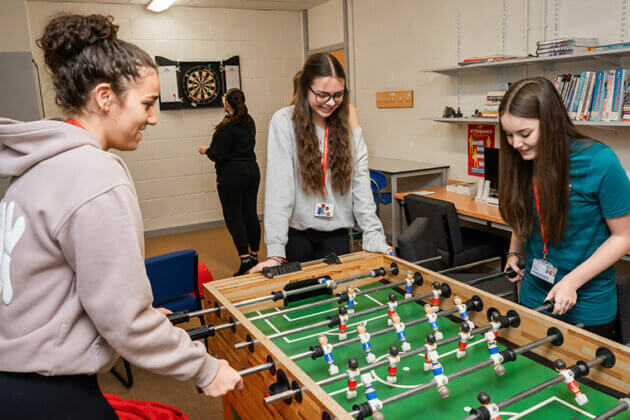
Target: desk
point(471, 210)
point(396, 169)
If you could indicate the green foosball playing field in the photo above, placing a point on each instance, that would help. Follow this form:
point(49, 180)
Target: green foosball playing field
point(556, 402)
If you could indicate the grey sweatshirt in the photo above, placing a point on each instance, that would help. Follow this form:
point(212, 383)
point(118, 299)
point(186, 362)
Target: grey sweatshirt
point(288, 205)
point(73, 286)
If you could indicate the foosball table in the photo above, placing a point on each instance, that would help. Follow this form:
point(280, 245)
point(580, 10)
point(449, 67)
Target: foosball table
point(367, 335)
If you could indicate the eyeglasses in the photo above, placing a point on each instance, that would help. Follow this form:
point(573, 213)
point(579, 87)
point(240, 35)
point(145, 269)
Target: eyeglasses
point(324, 97)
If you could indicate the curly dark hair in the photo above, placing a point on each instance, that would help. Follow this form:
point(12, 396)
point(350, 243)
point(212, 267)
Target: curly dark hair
point(307, 145)
point(236, 99)
point(83, 51)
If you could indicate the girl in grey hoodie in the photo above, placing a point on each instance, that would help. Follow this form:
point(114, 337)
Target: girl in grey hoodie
point(73, 288)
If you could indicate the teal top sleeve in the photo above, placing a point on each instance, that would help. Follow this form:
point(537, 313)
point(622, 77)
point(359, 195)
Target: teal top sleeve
point(614, 185)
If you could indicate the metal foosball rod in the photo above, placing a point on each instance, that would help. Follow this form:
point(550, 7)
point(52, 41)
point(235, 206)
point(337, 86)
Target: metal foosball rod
point(604, 357)
point(554, 336)
point(624, 405)
point(469, 265)
point(325, 282)
point(511, 320)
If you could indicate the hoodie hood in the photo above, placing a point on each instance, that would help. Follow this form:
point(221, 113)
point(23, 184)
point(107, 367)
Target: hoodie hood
point(25, 144)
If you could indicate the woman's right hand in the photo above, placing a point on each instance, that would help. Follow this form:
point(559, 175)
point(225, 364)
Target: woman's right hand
point(513, 262)
point(227, 380)
point(269, 262)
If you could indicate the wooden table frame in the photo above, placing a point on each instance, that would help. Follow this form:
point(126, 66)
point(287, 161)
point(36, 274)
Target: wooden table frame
point(578, 344)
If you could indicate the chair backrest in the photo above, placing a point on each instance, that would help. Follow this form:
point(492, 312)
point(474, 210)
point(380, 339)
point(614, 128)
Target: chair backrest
point(416, 243)
point(172, 275)
point(379, 180)
point(443, 220)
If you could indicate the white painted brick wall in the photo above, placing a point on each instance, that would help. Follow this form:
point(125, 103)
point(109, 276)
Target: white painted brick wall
point(176, 186)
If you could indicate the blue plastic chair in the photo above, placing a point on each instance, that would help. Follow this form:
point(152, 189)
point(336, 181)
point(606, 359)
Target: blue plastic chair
point(379, 182)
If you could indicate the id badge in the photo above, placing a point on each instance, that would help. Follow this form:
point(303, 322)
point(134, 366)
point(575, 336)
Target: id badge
point(324, 209)
point(544, 270)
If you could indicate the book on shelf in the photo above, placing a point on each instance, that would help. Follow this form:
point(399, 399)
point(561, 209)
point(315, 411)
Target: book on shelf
point(564, 46)
point(583, 42)
point(599, 92)
point(485, 59)
point(610, 82)
point(606, 47)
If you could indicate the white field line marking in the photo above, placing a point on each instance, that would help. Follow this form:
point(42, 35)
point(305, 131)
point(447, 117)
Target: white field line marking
point(332, 332)
point(547, 401)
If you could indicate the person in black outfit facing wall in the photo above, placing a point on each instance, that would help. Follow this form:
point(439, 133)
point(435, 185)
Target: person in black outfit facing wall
point(238, 176)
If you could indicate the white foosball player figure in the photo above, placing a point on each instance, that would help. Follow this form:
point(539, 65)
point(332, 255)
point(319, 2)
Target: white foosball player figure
point(364, 336)
point(463, 311)
point(393, 359)
point(493, 349)
point(353, 374)
point(430, 352)
point(343, 322)
point(495, 323)
point(399, 326)
point(328, 356)
point(437, 292)
point(493, 409)
point(352, 295)
point(569, 379)
point(328, 282)
point(464, 336)
point(391, 308)
point(409, 284)
point(370, 394)
point(432, 317)
point(440, 379)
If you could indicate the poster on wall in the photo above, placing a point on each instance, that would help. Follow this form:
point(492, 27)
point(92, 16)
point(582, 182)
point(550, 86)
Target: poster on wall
point(480, 136)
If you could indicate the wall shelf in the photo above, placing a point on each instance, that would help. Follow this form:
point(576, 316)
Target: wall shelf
point(603, 124)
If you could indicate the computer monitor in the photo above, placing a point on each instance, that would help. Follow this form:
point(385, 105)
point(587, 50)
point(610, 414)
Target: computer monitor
point(491, 165)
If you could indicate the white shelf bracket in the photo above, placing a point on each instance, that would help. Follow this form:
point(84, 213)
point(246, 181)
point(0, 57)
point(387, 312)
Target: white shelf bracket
point(460, 78)
point(556, 19)
point(624, 21)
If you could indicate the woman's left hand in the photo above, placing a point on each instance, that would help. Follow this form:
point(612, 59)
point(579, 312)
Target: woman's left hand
point(202, 150)
point(564, 296)
point(390, 251)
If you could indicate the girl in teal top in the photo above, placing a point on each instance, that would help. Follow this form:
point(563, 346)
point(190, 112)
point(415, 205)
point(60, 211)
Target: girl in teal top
point(567, 200)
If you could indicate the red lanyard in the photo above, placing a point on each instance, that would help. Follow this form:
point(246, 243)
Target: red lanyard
point(541, 222)
point(75, 123)
point(325, 160)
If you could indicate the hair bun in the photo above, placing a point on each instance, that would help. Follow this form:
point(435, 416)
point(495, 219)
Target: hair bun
point(66, 36)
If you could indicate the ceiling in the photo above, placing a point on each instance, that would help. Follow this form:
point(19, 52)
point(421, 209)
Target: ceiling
point(231, 4)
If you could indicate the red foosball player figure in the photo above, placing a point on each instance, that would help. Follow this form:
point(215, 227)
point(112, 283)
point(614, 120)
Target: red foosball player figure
point(430, 352)
point(428, 309)
point(493, 409)
point(569, 379)
point(393, 359)
point(343, 322)
point(464, 336)
point(391, 305)
point(353, 374)
point(435, 301)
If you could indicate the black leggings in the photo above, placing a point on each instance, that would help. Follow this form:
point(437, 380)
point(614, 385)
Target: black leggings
point(311, 244)
point(34, 397)
point(237, 184)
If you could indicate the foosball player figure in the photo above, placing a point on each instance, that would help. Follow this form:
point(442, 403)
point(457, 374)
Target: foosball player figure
point(437, 292)
point(391, 305)
point(493, 409)
point(409, 284)
point(370, 394)
point(393, 359)
point(352, 295)
point(399, 326)
point(569, 379)
point(464, 336)
point(495, 323)
point(438, 373)
point(430, 352)
point(463, 311)
point(494, 352)
point(364, 336)
point(343, 322)
point(353, 374)
point(328, 356)
point(428, 309)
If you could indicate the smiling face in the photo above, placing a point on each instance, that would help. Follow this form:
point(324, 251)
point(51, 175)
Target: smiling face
point(131, 112)
point(522, 134)
point(325, 95)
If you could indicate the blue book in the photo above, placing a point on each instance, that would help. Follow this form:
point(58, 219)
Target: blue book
point(615, 111)
point(597, 101)
point(578, 96)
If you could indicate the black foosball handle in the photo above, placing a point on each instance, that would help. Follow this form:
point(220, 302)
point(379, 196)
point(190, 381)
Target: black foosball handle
point(201, 332)
point(271, 272)
point(178, 317)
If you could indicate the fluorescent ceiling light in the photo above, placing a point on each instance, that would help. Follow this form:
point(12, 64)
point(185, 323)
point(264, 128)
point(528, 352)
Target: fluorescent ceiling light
point(160, 5)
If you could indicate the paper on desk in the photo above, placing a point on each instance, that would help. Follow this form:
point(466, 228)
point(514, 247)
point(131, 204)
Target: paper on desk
point(421, 193)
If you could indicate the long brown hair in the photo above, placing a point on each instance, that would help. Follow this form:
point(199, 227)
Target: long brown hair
point(236, 98)
point(307, 143)
point(536, 98)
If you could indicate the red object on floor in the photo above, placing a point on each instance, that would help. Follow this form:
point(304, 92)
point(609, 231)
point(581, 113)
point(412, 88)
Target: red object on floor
point(203, 276)
point(143, 410)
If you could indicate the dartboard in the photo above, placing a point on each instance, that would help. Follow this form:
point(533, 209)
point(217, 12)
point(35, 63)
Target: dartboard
point(201, 85)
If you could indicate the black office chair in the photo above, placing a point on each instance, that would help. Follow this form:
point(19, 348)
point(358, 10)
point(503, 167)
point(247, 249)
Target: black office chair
point(623, 307)
point(456, 245)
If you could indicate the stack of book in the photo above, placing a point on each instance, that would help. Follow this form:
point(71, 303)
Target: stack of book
point(563, 46)
point(626, 104)
point(485, 59)
point(594, 95)
point(493, 100)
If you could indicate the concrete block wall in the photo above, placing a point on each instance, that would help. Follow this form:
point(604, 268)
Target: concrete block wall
point(177, 186)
